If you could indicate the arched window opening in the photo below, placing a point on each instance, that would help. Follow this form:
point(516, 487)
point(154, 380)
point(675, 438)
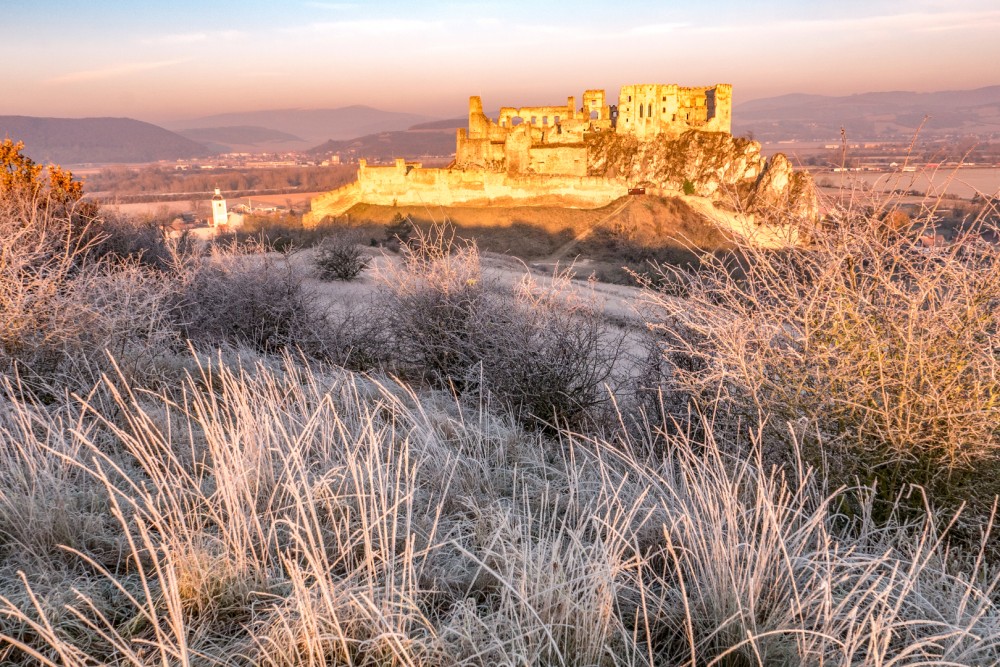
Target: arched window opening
point(640, 110)
point(594, 115)
point(516, 120)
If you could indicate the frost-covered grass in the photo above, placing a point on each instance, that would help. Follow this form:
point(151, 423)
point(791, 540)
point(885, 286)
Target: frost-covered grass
point(267, 514)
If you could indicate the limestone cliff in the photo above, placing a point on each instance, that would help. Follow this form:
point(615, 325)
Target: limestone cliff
point(708, 164)
point(781, 190)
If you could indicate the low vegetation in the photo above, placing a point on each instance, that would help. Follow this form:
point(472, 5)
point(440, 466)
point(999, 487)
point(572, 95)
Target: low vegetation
point(883, 355)
point(338, 257)
point(544, 352)
point(193, 471)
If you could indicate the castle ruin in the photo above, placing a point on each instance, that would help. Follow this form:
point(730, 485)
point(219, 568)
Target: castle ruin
point(538, 155)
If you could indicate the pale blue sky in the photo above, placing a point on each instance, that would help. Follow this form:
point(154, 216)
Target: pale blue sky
point(166, 60)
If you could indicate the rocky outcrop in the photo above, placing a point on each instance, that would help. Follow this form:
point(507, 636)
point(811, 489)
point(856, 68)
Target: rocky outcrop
point(782, 191)
point(707, 164)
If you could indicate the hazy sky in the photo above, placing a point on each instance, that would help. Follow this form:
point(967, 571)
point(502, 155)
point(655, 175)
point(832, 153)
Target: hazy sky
point(183, 58)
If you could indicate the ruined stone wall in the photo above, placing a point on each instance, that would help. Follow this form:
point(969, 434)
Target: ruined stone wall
point(648, 110)
point(567, 160)
point(333, 203)
point(510, 143)
point(414, 186)
point(595, 106)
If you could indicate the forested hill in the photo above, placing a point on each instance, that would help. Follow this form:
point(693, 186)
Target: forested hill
point(97, 140)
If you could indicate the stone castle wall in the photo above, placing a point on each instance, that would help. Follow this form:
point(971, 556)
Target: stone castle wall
point(525, 140)
point(648, 110)
point(408, 184)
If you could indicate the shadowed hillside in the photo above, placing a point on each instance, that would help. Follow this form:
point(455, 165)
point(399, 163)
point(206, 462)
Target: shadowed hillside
point(626, 234)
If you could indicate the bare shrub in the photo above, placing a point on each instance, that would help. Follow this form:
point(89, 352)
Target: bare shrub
point(429, 301)
point(62, 312)
point(339, 257)
point(119, 238)
point(544, 351)
point(241, 294)
point(885, 350)
point(547, 351)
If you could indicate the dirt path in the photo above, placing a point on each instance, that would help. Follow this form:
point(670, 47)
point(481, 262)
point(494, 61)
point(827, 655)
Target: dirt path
point(566, 247)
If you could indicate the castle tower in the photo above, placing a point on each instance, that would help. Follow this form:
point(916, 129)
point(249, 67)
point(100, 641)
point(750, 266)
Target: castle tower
point(219, 214)
point(723, 107)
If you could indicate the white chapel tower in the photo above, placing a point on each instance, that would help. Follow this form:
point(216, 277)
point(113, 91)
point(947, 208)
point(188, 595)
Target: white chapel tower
point(219, 213)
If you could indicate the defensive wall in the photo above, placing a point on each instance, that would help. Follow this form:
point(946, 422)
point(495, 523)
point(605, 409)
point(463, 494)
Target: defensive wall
point(408, 184)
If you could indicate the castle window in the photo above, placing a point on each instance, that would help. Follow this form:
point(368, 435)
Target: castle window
point(664, 110)
point(545, 120)
point(649, 112)
point(556, 120)
point(629, 98)
point(664, 98)
point(534, 120)
point(640, 111)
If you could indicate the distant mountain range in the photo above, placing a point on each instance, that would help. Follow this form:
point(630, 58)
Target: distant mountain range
point(125, 140)
point(411, 143)
point(374, 133)
point(310, 126)
point(251, 138)
point(98, 140)
point(870, 115)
